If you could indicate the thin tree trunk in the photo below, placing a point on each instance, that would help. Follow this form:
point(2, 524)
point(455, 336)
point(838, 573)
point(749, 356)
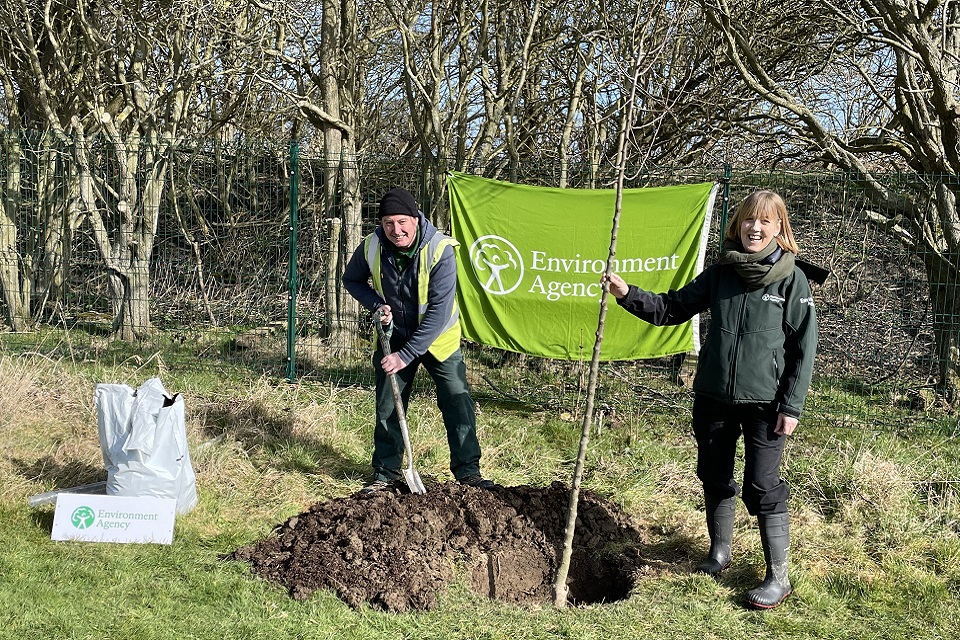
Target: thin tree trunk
point(16, 305)
point(197, 254)
point(331, 288)
point(944, 287)
point(351, 235)
point(573, 109)
point(52, 276)
point(560, 589)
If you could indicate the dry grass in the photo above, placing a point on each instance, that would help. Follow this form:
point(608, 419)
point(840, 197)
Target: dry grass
point(51, 440)
point(19, 385)
point(46, 422)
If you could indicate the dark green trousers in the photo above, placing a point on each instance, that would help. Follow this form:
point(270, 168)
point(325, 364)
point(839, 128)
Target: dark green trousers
point(454, 402)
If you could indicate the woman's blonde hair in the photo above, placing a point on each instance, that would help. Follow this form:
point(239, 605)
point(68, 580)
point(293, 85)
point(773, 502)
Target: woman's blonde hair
point(764, 205)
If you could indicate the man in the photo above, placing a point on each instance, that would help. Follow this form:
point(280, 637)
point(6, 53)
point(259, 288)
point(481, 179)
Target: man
point(406, 270)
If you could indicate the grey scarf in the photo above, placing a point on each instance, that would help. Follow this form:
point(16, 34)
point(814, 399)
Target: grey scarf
point(761, 268)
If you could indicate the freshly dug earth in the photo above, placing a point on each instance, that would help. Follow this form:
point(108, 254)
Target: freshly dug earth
point(398, 551)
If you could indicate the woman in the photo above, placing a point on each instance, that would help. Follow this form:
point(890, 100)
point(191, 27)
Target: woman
point(753, 374)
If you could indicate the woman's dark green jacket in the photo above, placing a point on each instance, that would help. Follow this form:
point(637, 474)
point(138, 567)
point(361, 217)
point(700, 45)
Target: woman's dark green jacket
point(760, 344)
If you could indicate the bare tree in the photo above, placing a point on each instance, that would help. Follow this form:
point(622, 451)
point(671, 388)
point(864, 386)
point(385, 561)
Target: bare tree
point(15, 295)
point(31, 237)
point(133, 80)
point(503, 85)
point(324, 50)
point(16, 302)
point(870, 85)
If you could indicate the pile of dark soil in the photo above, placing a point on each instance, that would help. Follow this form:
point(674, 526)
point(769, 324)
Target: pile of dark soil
point(398, 551)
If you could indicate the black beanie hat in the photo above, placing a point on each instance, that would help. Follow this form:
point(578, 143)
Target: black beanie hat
point(398, 202)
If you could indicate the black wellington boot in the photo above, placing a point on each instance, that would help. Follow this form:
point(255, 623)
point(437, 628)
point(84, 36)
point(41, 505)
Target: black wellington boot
point(720, 514)
point(775, 538)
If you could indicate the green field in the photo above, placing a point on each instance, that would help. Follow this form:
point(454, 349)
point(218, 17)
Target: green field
point(876, 519)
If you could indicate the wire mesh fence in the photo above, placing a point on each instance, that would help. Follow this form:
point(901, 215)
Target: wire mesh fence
point(114, 251)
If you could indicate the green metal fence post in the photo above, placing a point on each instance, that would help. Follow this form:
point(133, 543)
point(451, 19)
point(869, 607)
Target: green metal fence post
point(292, 263)
point(725, 203)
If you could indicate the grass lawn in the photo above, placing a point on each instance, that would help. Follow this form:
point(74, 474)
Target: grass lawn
point(875, 518)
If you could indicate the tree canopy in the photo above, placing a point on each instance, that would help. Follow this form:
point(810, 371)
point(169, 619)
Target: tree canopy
point(863, 86)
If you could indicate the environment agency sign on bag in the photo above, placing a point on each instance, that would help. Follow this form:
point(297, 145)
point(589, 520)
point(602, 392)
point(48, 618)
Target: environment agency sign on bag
point(530, 261)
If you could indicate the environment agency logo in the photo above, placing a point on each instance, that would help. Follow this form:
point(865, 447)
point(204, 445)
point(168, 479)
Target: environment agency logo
point(83, 517)
point(497, 263)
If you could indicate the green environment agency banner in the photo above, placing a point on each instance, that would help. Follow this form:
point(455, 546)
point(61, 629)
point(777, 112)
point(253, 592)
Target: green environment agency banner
point(530, 261)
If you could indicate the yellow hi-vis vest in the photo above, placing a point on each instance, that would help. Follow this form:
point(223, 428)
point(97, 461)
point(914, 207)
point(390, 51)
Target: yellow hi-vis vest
point(449, 340)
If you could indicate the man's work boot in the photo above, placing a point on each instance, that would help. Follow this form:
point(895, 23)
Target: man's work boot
point(478, 481)
point(775, 538)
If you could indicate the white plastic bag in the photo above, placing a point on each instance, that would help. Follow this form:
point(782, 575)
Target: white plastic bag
point(144, 443)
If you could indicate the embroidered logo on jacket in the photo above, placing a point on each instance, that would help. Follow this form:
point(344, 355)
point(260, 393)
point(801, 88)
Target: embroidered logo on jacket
point(769, 297)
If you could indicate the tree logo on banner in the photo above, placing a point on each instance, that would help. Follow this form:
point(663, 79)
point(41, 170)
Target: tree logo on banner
point(82, 517)
point(497, 263)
